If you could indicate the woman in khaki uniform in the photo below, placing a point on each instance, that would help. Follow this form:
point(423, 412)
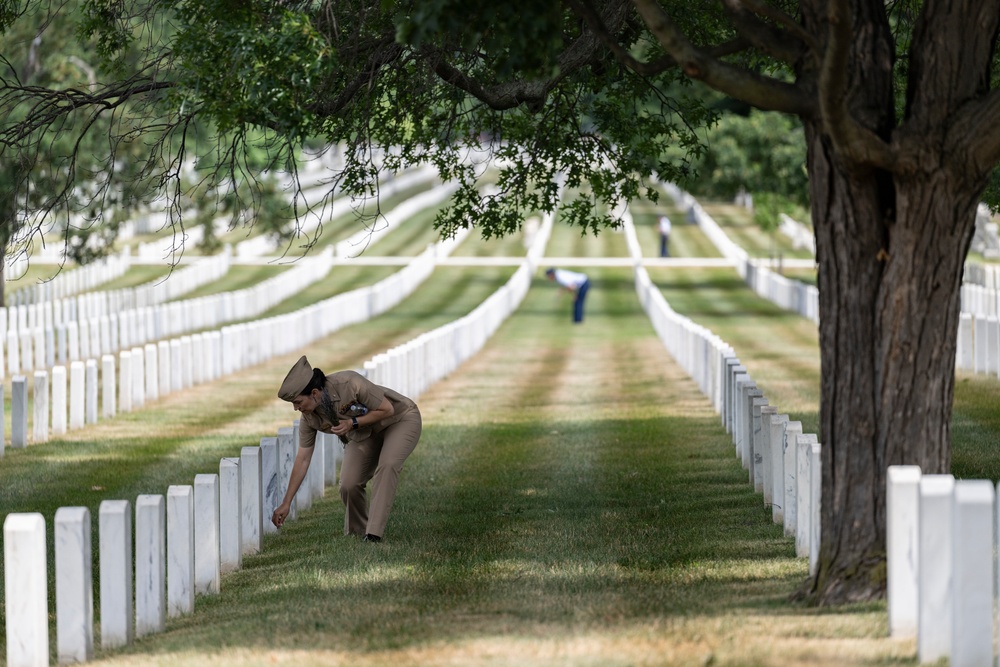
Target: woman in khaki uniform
point(379, 428)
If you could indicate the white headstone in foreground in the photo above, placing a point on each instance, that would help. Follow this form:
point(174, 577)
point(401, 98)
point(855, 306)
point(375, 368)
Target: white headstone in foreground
point(902, 510)
point(760, 444)
point(207, 565)
point(74, 585)
point(790, 463)
point(803, 496)
point(230, 533)
point(271, 479)
point(776, 458)
point(150, 565)
point(816, 504)
point(935, 559)
point(251, 500)
point(180, 550)
point(286, 458)
point(26, 590)
point(117, 618)
point(972, 574)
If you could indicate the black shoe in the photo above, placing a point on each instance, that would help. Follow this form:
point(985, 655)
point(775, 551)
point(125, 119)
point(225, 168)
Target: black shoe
point(371, 538)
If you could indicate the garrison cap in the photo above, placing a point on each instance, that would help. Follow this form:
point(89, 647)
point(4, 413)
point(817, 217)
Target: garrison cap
point(296, 380)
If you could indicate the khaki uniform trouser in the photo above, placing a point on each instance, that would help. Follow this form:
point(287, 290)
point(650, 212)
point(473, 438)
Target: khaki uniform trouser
point(378, 459)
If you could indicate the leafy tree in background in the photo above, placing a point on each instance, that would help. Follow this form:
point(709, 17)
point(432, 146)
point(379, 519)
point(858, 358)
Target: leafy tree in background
point(898, 102)
point(759, 152)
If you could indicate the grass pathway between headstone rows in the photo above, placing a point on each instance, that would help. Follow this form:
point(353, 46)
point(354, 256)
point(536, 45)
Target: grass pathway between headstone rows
point(573, 501)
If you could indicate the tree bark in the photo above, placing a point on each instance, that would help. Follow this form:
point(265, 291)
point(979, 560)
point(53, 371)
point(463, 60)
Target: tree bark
point(891, 254)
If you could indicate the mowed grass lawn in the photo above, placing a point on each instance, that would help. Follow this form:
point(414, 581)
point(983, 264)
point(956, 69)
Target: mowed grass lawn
point(573, 501)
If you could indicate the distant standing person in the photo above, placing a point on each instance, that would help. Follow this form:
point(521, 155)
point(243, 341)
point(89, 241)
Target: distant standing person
point(574, 282)
point(664, 236)
point(379, 428)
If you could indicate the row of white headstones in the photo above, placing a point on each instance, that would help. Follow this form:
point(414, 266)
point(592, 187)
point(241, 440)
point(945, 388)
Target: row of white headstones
point(64, 401)
point(783, 463)
point(940, 545)
point(184, 542)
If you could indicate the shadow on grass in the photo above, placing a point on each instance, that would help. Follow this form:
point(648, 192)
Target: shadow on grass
point(517, 529)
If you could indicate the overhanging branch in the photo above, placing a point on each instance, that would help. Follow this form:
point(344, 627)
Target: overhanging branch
point(975, 132)
point(757, 90)
point(593, 20)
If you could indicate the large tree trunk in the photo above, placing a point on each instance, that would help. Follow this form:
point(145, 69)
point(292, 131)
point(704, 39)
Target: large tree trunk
point(891, 256)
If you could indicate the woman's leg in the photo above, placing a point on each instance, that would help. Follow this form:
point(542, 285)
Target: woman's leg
point(360, 461)
point(398, 442)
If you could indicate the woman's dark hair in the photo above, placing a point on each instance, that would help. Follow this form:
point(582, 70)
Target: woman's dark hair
point(318, 381)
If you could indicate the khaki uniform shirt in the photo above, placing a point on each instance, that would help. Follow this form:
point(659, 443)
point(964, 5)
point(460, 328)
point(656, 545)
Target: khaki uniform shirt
point(352, 395)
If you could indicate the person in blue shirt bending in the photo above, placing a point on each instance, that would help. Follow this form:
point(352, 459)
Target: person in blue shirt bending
point(571, 281)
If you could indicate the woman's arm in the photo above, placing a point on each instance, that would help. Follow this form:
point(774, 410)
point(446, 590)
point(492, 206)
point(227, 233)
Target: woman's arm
point(383, 411)
point(299, 469)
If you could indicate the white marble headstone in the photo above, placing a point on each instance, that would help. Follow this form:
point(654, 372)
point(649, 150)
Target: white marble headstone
point(74, 585)
point(251, 500)
point(26, 590)
point(777, 461)
point(108, 402)
point(115, 536)
point(40, 412)
point(230, 520)
point(756, 440)
point(59, 400)
point(77, 395)
point(90, 391)
point(176, 366)
point(150, 565)
point(902, 511)
point(152, 372)
point(271, 479)
point(973, 573)
point(287, 448)
point(934, 571)
point(815, 505)
point(803, 496)
point(207, 564)
point(180, 550)
point(163, 367)
point(19, 412)
point(793, 430)
point(138, 378)
point(125, 376)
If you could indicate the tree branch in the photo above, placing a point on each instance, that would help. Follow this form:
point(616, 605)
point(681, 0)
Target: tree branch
point(854, 142)
point(759, 91)
point(784, 46)
point(976, 134)
point(653, 67)
point(585, 50)
point(386, 51)
point(50, 105)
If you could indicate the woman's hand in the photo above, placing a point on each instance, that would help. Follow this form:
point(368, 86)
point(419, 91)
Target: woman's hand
point(280, 514)
point(343, 427)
